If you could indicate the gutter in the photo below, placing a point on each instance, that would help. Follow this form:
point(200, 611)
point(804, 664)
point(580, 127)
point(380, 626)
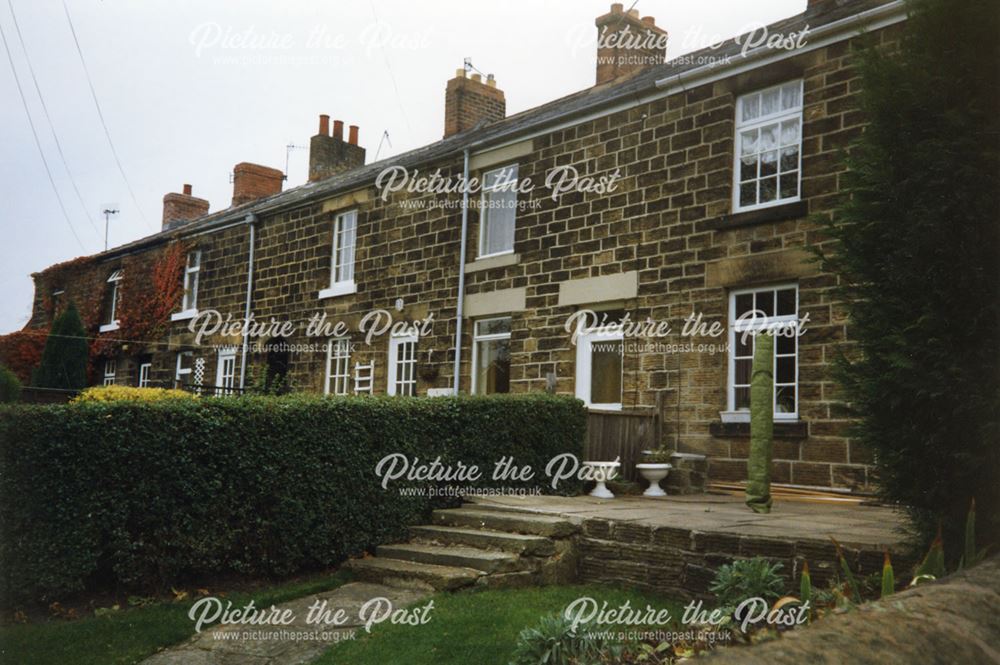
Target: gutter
point(250, 219)
point(461, 272)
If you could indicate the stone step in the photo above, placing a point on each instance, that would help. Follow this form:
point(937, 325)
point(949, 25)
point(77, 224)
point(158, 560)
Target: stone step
point(487, 561)
point(410, 574)
point(518, 543)
point(498, 520)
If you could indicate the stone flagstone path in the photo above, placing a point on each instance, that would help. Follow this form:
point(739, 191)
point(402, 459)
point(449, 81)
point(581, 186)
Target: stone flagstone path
point(271, 645)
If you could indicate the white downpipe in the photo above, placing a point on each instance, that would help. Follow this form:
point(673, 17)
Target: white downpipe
point(461, 272)
point(251, 220)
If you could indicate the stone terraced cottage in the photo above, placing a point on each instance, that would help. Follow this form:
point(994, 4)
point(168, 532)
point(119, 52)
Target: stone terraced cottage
point(713, 165)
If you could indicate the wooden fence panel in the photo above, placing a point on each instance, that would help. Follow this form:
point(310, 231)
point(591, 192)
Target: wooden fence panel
point(621, 434)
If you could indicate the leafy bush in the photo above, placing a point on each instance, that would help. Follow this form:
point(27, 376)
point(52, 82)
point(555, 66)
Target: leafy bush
point(747, 578)
point(554, 642)
point(130, 393)
point(10, 387)
point(916, 249)
point(66, 354)
point(144, 494)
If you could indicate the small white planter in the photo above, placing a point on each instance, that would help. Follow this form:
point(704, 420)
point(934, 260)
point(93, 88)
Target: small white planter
point(654, 473)
point(602, 473)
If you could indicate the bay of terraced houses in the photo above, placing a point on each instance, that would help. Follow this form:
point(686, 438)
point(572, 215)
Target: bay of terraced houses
point(670, 191)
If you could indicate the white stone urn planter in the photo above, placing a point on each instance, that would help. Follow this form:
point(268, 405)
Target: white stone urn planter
point(654, 473)
point(602, 472)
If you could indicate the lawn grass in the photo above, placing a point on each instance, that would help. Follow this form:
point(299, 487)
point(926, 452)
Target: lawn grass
point(130, 635)
point(479, 627)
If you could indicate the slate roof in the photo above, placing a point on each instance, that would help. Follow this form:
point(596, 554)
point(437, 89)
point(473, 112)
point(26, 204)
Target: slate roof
point(579, 103)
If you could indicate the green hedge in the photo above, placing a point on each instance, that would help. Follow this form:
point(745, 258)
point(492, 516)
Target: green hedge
point(148, 494)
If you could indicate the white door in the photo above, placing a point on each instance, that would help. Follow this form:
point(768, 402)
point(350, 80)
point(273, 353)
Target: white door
point(225, 372)
point(402, 365)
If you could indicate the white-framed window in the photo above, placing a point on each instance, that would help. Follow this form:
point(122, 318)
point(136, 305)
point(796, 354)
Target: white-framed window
point(599, 363)
point(113, 298)
point(338, 367)
point(768, 155)
point(183, 368)
point(189, 301)
point(498, 211)
point(403, 365)
point(110, 369)
point(225, 371)
point(775, 309)
point(345, 232)
point(144, 370)
point(491, 356)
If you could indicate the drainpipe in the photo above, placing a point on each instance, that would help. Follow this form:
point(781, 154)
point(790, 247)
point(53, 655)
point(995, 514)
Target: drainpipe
point(251, 220)
point(461, 272)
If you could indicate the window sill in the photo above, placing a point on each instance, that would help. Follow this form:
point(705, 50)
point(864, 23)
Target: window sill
point(777, 213)
point(184, 315)
point(109, 327)
point(495, 255)
point(783, 429)
point(339, 289)
point(494, 261)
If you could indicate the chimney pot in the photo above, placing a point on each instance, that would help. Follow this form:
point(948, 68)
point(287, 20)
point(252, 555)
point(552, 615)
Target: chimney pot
point(468, 101)
point(324, 125)
point(622, 60)
point(182, 208)
point(253, 181)
point(187, 190)
point(330, 155)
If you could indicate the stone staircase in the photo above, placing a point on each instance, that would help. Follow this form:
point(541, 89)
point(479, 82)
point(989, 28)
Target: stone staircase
point(476, 545)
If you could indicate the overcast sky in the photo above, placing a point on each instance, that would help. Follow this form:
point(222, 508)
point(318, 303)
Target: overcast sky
point(190, 88)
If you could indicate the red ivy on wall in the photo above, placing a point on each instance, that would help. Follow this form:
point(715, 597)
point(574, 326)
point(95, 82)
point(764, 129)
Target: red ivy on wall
point(21, 351)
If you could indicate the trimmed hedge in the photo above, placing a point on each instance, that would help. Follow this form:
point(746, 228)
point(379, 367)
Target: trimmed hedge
point(143, 495)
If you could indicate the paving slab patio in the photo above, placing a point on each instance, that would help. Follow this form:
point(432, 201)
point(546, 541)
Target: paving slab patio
point(864, 526)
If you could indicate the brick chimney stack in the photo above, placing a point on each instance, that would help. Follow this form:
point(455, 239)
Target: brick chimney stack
point(627, 44)
point(180, 209)
point(330, 155)
point(469, 101)
point(253, 181)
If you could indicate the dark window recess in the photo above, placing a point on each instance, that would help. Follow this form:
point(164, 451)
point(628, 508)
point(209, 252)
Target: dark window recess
point(779, 213)
point(796, 430)
point(277, 368)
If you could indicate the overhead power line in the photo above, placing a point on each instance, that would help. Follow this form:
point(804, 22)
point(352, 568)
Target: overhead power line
point(100, 114)
point(48, 118)
point(38, 143)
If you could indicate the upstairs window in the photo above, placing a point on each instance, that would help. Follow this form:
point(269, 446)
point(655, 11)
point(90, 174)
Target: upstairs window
point(345, 231)
point(191, 270)
point(498, 211)
point(768, 147)
point(491, 357)
point(112, 301)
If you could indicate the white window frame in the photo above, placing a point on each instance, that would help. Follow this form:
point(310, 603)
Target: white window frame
point(225, 371)
point(743, 415)
point(584, 369)
point(181, 371)
point(762, 121)
point(115, 281)
point(477, 338)
point(338, 367)
point(398, 377)
point(110, 371)
point(144, 370)
point(340, 285)
point(484, 209)
point(189, 300)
